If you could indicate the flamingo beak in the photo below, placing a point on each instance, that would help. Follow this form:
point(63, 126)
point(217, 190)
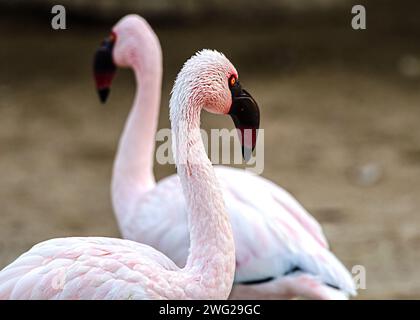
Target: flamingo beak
point(104, 68)
point(246, 117)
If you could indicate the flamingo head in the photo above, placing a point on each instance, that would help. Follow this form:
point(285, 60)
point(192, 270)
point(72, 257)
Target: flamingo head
point(212, 83)
point(132, 43)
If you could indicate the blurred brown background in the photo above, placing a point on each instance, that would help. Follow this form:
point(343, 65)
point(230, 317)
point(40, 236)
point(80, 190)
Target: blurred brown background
point(340, 109)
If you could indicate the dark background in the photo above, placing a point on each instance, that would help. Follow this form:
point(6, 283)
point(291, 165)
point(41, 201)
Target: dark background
point(340, 109)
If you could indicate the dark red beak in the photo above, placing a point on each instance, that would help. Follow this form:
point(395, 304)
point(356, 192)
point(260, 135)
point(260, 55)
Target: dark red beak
point(246, 116)
point(104, 68)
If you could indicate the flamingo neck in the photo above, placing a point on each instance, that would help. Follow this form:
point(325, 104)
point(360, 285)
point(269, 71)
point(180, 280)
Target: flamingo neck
point(211, 259)
point(133, 166)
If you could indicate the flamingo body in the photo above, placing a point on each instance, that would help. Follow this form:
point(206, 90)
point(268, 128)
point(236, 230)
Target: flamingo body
point(90, 268)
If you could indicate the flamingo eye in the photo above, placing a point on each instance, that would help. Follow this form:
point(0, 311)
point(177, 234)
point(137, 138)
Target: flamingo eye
point(112, 37)
point(232, 81)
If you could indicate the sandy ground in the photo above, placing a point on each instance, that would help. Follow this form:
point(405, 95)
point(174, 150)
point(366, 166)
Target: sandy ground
point(340, 111)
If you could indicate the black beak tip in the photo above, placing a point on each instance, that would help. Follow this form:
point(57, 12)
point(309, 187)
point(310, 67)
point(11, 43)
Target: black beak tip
point(103, 94)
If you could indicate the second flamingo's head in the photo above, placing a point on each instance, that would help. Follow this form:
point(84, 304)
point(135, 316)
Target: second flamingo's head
point(209, 80)
point(131, 43)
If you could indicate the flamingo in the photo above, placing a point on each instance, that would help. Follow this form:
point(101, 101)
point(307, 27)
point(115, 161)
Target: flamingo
point(281, 250)
point(106, 268)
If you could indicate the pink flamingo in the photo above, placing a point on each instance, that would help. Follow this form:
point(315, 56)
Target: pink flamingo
point(105, 268)
point(281, 251)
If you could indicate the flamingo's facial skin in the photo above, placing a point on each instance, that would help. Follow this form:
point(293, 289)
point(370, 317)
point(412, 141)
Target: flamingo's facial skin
point(207, 75)
point(133, 32)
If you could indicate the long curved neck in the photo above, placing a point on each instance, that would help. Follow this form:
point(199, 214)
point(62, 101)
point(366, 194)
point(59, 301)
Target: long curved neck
point(212, 254)
point(133, 166)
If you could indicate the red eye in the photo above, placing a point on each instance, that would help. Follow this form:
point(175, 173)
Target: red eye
point(112, 37)
point(232, 81)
